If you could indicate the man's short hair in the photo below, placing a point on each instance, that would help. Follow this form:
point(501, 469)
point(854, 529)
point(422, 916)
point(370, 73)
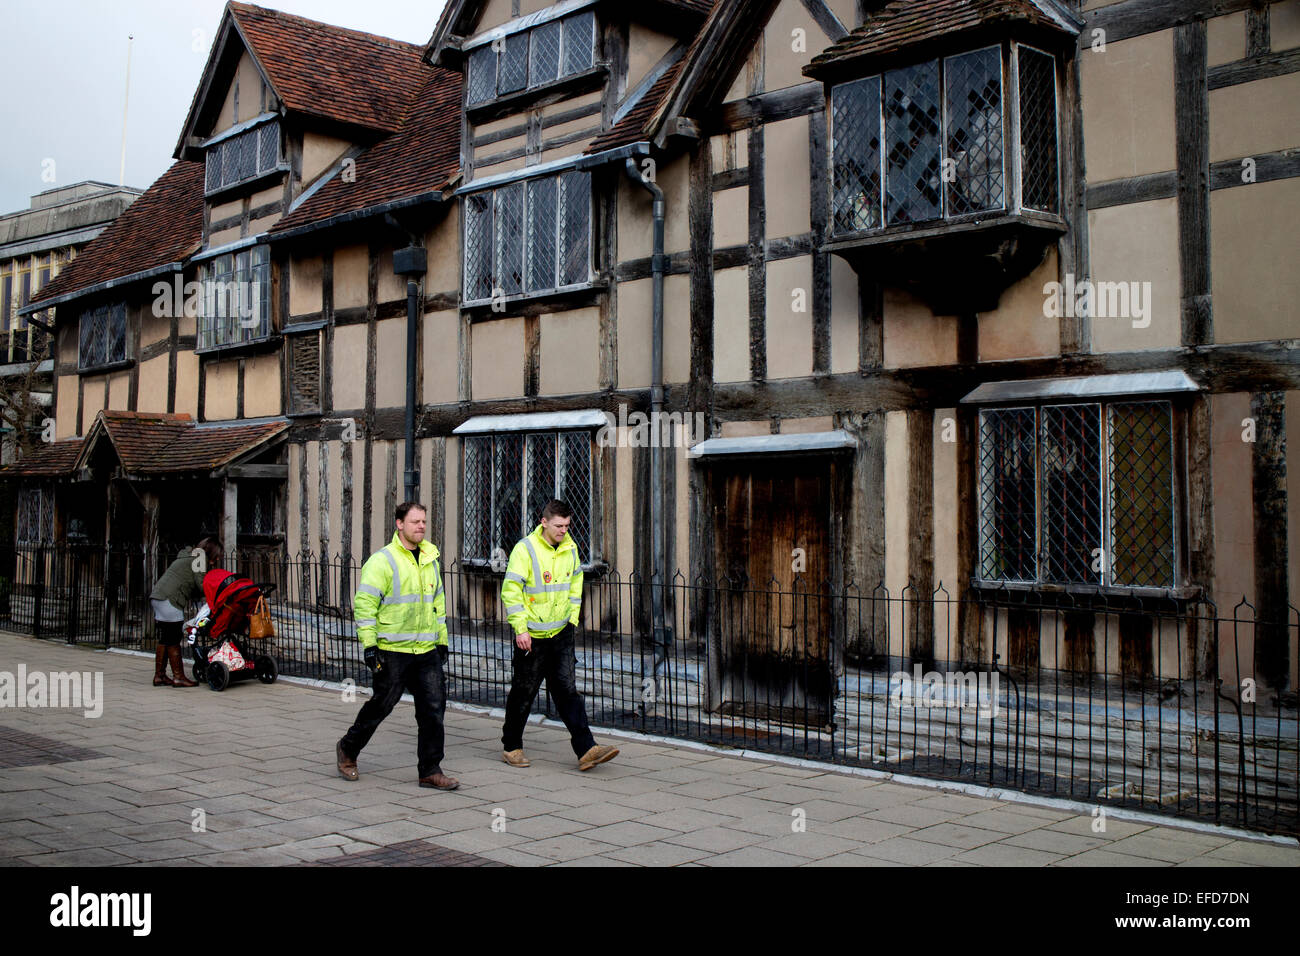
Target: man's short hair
point(555, 508)
point(407, 506)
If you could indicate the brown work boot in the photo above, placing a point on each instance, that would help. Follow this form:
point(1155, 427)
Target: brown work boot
point(597, 754)
point(439, 781)
point(160, 678)
point(178, 669)
point(516, 758)
point(347, 765)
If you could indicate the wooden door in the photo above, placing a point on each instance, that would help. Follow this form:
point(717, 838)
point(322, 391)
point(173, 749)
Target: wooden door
point(773, 534)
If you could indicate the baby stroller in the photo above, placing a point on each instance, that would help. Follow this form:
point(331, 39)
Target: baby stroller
point(219, 632)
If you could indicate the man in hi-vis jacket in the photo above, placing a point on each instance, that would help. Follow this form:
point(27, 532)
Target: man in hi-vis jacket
point(401, 616)
point(542, 593)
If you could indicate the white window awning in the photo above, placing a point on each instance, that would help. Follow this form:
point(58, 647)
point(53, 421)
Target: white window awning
point(1089, 386)
point(790, 444)
point(532, 422)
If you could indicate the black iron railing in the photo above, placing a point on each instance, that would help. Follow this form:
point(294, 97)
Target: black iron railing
point(1164, 705)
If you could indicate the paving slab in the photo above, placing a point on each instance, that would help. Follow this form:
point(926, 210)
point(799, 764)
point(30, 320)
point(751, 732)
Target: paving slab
point(122, 790)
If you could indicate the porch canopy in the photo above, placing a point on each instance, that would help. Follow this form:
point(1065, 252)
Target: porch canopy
point(789, 444)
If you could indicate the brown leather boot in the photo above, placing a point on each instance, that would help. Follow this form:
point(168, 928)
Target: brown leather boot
point(160, 678)
point(178, 669)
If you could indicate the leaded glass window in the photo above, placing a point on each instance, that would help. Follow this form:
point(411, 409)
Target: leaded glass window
point(102, 335)
point(1075, 494)
point(528, 238)
point(509, 477)
point(236, 305)
point(531, 58)
point(243, 157)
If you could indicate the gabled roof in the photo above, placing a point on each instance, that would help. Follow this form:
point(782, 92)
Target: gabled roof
point(715, 56)
point(908, 23)
point(315, 69)
point(632, 127)
point(153, 443)
point(417, 161)
point(47, 460)
point(163, 226)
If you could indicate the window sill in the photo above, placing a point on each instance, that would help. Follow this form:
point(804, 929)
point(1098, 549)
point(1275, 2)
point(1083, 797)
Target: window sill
point(980, 256)
point(534, 303)
point(274, 173)
point(110, 367)
point(1082, 597)
point(249, 345)
point(573, 85)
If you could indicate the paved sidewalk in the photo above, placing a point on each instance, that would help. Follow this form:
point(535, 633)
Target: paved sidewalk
point(247, 777)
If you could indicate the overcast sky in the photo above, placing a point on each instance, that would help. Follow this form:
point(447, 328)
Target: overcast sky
point(63, 77)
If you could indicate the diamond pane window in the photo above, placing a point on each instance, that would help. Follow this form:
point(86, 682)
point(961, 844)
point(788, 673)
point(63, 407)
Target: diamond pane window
point(481, 85)
point(912, 150)
point(35, 515)
point(1038, 149)
point(531, 237)
point(1008, 499)
point(855, 152)
point(974, 130)
point(544, 53)
point(541, 247)
point(236, 304)
point(512, 64)
point(509, 235)
point(1070, 446)
point(929, 141)
point(510, 477)
point(579, 42)
point(1078, 495)
point(575, 228)
point(1141, 494)
point(102, 335)
point(478, 497)
point(243, 157)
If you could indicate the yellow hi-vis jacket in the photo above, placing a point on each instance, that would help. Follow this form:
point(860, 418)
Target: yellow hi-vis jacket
point(400, 606)
point(542, 590)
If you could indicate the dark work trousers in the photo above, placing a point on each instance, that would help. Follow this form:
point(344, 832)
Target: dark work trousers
point(423, 676)
point(551, 658)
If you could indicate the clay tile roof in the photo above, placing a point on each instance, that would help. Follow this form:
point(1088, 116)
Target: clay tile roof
point(164, 225)
point(906, 23)
point(156, 443)
point(632, 127)
point(50, 459)
point(419, 159)
point(331, 72)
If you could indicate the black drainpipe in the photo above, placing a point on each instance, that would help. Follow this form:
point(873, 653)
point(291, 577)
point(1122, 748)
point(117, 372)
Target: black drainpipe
point(659, 558)
point(412, 262)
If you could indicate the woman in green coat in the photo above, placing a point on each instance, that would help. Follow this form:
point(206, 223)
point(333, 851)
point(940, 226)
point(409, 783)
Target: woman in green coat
point(181, 583)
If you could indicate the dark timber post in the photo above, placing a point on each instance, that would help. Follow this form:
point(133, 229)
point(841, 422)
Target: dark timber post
point(411, 261)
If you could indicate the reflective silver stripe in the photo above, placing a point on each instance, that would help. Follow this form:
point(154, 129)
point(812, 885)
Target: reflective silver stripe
point(514, 608)
point(548, 588)
point(427, 637)
point(575, 600)
point(404, 599)
point(512, 576)
point(537, 565)
point(438, 593)
point(442, 622)
point(397, 574)
point(367, 622)
point(547, 625)
point(369, 589)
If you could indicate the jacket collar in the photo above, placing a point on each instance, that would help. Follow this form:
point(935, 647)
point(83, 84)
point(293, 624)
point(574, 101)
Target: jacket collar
point(564, 545)
point(426, 547)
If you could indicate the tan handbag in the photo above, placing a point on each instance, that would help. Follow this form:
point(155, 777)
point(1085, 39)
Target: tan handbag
point(259, 622)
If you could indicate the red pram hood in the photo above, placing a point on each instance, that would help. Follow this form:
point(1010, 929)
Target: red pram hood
point(231, 599)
